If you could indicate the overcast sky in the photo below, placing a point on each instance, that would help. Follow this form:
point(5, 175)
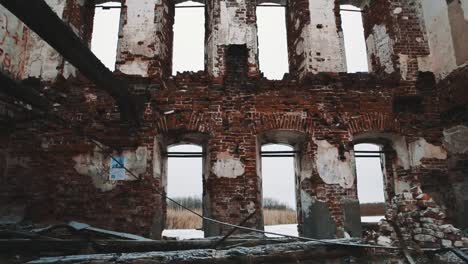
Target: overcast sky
point(278, 174)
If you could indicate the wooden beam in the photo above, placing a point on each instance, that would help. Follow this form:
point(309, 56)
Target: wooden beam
point(46, 246)
point(39, 17)
point(23, 93)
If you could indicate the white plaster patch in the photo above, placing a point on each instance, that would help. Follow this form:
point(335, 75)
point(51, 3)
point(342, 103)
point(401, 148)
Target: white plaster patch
point(228, 166)
point(402, 186)
point(306, 201)
point(331, 169)
point(464, 5)
point(456, 139)
point(397, 10)
point(380, 45)
point(135, 67)
point(403, 65)
point(442, 57)
point(96, 165)
point(322, 36)
point(251, 207)
point(420, 149)
point(231, 29)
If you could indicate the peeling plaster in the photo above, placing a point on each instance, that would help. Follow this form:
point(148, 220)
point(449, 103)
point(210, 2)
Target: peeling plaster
point(380, 45)
point(442, 59)
point(96, 165)
point(331, 169)
point(306, 201)
point(44, 61)
point(456, 139)
point(228, 166)
point(464, 4)
point(13, 41)
point(325, 40)
point(420, 149)
point(139, 36)
point(135, 67)
point(231, 29)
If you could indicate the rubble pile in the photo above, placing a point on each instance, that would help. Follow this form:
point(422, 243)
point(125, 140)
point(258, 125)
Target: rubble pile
point(415, 218)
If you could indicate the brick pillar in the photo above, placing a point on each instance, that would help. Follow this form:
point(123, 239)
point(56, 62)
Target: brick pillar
point(395, 38)
point(145, 40)
point(315, 37)
point(233, 187)
point(230, 23)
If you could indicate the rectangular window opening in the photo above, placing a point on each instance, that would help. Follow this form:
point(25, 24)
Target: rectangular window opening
point(370, 181)
point(279, 189)
point(189, 38)
point(272, 41)
point(355, 43)
point(105, 35)
point(185, 185)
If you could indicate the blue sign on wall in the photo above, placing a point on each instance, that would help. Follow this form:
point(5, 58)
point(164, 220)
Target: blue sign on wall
point(117, 169)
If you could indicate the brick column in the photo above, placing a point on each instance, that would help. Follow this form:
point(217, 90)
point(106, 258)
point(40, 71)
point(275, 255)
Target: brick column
point(145, 39)
point(395, 38)
point(315, 37)
point(233, 187)
point(230, 23)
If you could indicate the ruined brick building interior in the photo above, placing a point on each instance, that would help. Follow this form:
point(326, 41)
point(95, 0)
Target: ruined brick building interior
point(82, 143)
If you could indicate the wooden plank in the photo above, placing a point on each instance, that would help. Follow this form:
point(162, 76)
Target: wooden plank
point(39, 17)
point(23, 93)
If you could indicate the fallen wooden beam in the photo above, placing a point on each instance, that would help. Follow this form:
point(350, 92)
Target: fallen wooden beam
point(41, 246)
point(39, 17)
point(23, 93)
point(279, 253)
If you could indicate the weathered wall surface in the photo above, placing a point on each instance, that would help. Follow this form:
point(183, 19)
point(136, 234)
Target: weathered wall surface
point(315, 38)
point(145, 38)
point(25, 54)
point(13, 44)
point(395, 37)
point(442, 58)
point(458, 15)
point(230, 23)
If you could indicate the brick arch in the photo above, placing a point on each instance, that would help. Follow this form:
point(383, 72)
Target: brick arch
point(297, 121)
point(377, 122)
point(184, 121)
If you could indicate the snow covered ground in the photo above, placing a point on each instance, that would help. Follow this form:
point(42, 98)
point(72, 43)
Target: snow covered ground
point(372, 219)
point(290, 230)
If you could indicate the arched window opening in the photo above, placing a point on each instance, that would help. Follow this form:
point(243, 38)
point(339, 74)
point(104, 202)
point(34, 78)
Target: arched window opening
point(189, 37)
point(106, 32)
point(279, 189)
point(185, 185)
point(370, 181)
point(355, 43)
point(272, 41)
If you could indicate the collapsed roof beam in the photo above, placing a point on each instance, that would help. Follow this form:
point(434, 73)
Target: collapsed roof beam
point(39, 17)
point(24, 93)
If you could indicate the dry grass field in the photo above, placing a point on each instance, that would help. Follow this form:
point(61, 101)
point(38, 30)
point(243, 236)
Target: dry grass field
point(181, 219)
point(279, 217)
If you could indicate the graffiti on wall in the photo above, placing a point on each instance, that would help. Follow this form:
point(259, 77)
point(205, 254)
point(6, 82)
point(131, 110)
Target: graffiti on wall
point(13, 41)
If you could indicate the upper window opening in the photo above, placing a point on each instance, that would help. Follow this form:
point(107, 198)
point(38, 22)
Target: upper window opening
point(189, 37)
point(370, 181)
point(106, 33)
point(355, 43)
point(272, 43)
point(185, 185)
point(279, 187)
